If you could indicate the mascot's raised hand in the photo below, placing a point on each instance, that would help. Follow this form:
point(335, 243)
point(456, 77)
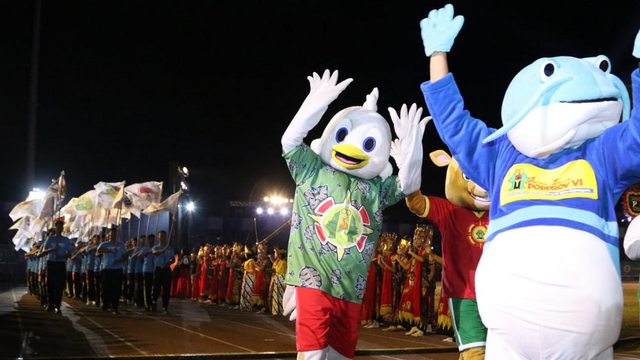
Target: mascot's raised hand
point(439, 29)
point(407, 148)
point(323, 91)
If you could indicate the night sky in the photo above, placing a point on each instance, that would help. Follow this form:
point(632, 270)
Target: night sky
point(126, 88)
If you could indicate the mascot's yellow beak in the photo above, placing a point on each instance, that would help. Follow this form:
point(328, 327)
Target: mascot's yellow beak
point(349, 156)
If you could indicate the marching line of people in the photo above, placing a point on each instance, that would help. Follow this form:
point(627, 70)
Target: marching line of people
point(106, 272)
point(101, 272)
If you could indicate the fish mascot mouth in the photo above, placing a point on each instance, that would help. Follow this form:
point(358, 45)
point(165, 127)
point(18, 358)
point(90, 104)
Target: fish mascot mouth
point(349, 156)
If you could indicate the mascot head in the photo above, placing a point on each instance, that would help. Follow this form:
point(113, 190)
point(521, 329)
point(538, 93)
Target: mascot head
point(357, 141)
point(458, 188)
point(559, 103)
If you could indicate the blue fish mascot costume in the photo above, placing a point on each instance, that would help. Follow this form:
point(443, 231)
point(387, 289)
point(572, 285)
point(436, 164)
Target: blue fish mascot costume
point(343, 183)
point(548, 283)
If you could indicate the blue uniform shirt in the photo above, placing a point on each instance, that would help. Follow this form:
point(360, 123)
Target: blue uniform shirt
point(64, 244)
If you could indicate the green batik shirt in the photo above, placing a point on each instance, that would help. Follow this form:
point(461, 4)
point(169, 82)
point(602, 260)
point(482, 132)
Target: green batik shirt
point(335, 225)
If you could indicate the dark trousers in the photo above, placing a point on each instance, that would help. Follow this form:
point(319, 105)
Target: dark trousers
point(131, 286)
point(139, 297)
point(69, 283)
point(77, 285)
point(162, 281)
point(42, 284)
point(91, 285)
point(111, 288)
point(56, 277)
point(98, 282)
point(124, 286)
point(148, 286)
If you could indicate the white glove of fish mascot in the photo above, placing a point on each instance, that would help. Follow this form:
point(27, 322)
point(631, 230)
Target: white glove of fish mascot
point(343, 182)
point(548, 283)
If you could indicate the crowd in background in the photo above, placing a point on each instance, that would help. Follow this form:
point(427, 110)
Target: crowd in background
point(249, 279)
point(401, 286)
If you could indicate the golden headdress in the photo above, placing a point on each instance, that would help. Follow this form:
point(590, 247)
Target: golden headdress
point(262, 248)
point(424, 232)
point(404, 245)
point(387, 243)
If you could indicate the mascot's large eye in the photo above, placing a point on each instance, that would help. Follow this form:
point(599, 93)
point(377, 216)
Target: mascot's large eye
point(547, 69)
point(465, 177)
point(603, 63)
point(341, 134)
point(369, 144)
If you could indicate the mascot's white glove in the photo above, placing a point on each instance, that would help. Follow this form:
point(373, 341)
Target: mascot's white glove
point(289, 302)
point(632, 240)
point(323, 91)
point(439, 29)
point(636, 47)
point(407, 149)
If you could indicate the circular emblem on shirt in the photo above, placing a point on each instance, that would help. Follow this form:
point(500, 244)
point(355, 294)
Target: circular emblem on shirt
point(477, 234)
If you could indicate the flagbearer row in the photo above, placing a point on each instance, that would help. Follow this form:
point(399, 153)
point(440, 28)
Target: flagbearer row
point(76, 248)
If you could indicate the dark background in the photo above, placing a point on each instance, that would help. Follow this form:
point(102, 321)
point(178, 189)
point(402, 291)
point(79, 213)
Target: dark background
point(128, 89)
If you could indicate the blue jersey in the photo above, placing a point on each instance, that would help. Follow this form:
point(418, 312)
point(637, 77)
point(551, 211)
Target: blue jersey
point(109, 257)
point(147, 265)
point(163, 258)
point(64, 245)
point(139, 260)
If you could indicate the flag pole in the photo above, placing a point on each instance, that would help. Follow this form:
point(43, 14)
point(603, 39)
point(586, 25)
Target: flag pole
point(119, 220)
point(139, 221)
point(148, 221)
point(171, 226)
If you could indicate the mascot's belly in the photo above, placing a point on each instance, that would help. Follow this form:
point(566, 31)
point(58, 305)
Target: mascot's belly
point(558, 288)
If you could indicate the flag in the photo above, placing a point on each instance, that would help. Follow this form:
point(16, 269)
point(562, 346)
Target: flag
point(21, 240)
point(69, 208)
point(27, 208)
point(23, 224)
point(109, 194)
point(86, 203)
point(129, 206)
point(170, 204)
point(77, 222)
point(36, 226)
point(52, 202)
point(28, 225)
point(145, 194)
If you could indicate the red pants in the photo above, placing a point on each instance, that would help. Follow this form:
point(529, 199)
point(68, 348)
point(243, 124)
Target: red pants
point(324, 320)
